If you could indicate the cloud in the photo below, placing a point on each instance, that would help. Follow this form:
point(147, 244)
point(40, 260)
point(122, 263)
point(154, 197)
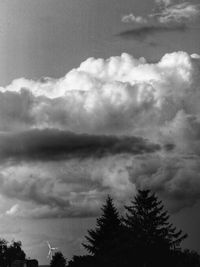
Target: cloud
point(142, 32)
point(132, 18)
point(178, 13)
point(62, 188)
point(13, 210)
point(100, 97)
point(163, 2)
point(70, 141)
point(52, 144)
point(31, 190)
point(175, 178)
point(14, 108)
point(45, 212)
point(38, 194)
point(167, 17)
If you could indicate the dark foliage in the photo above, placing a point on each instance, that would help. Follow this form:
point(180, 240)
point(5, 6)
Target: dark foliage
point(3, 250)
point(142, 238)
point(188, 258)
point(10, 253)
point(149, 232)
point(83, 261)
point(104, 237)
point(58, 260)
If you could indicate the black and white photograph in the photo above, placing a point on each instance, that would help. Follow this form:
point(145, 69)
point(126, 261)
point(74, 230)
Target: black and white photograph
point(99, 133)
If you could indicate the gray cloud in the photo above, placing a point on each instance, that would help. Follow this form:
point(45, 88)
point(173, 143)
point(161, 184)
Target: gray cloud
point(178, 13)
point(142, 32)
point(175, 178)
point(81, 141)
point(33, 189)
point(37, 197)
point(15, 110)
point(52, 144)
point(167, 17)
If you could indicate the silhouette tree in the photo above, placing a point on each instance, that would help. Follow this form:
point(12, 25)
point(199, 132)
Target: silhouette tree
point(189, 258)
point(142, 238)
point(14, 252)
point(3, 250)
point(82, 261)
point(58, 260)
point(102, 242)
point(148, 230)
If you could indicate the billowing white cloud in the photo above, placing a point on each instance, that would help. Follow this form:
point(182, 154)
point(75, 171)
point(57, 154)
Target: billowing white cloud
point(116, 95)
point(132, 18)
point(120, 96)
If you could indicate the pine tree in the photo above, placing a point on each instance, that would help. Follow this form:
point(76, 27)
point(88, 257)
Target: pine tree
point(58, 260)
point(147, 225)
point(103, 238)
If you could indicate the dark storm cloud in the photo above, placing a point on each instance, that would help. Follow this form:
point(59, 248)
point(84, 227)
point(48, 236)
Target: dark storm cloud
point(51, 144)
point(142, 32)
point(169, 147)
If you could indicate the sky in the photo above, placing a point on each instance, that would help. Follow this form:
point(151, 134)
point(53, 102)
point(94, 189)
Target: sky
point(96, 98)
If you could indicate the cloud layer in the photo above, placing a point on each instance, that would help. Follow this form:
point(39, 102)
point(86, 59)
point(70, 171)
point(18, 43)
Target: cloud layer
point(51, 144)
point(178, 13)
point(166, 17)
point(101, 96)
point(141, 33)
point(108, 126)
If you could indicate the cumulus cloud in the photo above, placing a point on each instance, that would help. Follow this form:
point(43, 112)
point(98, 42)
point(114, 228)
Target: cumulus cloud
point(178, 13)
point(132, 18)
point(100, 97)
point(70, 141)
point(167, 17)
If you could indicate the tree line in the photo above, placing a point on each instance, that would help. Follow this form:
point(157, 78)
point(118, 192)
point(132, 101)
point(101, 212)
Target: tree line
point(10, 252)
point(143, 237)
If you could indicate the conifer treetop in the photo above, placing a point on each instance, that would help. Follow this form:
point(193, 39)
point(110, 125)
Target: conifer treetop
point(149, 221)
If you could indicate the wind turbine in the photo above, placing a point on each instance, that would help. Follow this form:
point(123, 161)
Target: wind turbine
point(51, 250)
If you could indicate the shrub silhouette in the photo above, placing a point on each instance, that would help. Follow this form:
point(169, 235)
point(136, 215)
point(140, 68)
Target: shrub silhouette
point(58, 260)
